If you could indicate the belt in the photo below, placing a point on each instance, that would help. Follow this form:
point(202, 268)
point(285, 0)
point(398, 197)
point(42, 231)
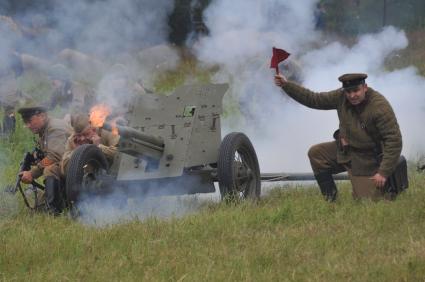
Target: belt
point(362, 150)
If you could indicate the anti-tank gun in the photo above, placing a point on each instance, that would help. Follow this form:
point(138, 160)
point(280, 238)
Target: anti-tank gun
point(137, 143)
point(172, 145)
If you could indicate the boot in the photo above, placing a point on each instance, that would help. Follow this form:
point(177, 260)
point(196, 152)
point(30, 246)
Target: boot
point(327, 186)
point(53, 195)
point(9, 124)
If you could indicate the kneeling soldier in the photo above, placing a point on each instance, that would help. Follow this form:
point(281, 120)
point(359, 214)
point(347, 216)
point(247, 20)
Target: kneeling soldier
point(85, 133)
point(52, 134)
point(368, 143)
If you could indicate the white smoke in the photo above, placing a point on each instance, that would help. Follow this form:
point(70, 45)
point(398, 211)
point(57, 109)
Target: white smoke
point(85, 35)
point(244, 30)
point(112, 26)
point(140, 202)
point(282, 130)
point(122, 32)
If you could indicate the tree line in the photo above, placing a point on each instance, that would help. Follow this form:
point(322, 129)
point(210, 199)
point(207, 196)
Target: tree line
point(361, 16)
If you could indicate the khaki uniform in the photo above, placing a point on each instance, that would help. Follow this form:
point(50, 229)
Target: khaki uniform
point(323, 157)
point(51, 142)
point(108, 145)
point(368, 128)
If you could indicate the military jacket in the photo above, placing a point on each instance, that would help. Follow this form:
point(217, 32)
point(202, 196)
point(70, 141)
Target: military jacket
point(367, 127)
point(51, 141)
point(108, 145)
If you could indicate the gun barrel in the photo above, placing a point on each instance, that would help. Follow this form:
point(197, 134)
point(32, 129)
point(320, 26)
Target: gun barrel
point(129, 133)
point(137, 143)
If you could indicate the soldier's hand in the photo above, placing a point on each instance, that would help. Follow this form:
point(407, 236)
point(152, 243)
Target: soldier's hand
point(379, 180)
point(26, 177)
point(280, 80)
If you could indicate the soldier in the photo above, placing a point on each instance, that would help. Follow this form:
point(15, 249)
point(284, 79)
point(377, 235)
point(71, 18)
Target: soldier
point(85, 133)
point(10, 98)
point(69, 94)
point(52, 135)
point(368, 143)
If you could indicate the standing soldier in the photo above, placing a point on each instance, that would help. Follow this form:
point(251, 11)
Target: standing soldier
point(10, 98)
point(52, 135)
point(368, 143)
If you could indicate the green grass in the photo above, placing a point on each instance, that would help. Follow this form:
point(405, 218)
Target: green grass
point(290, 235)
point(187, 71)
point(12, 151)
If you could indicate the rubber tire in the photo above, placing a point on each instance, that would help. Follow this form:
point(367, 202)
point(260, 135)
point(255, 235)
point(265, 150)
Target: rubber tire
point(232, 143)
point(75, 172)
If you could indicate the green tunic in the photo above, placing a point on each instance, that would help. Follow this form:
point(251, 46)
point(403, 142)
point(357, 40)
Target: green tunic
point(366, 127)
point(52, 142)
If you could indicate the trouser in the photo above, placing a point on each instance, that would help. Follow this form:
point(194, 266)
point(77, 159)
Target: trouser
point(53, 188)
point(52, 170)
point(9, 121)
point(323, 160)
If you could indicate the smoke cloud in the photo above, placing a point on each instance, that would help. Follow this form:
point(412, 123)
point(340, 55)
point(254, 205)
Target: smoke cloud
point(103, 27)
point(282, 130)
point(139, 202)
point(87, 36)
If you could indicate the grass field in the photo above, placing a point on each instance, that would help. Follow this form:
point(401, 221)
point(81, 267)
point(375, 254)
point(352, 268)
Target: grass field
point(289, 235)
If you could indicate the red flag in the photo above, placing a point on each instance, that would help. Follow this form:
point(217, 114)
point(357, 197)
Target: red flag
point(279, 55)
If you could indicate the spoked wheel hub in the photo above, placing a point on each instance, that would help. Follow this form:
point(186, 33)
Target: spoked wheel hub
point(238, 169)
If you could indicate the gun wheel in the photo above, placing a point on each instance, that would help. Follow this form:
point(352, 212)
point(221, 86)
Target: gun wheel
point(86, 169)
point(237, 169)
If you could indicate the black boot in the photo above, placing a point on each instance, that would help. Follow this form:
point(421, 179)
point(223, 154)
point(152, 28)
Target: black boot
point(53, 195)
point(327, 186)
point(9, 124)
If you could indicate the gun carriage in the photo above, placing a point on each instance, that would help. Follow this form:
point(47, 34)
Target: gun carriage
point(170, 145)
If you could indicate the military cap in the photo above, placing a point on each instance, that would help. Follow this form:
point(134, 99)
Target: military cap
point(352, 80)
point(59, 72)
point(79, 122)
point(28, 111)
